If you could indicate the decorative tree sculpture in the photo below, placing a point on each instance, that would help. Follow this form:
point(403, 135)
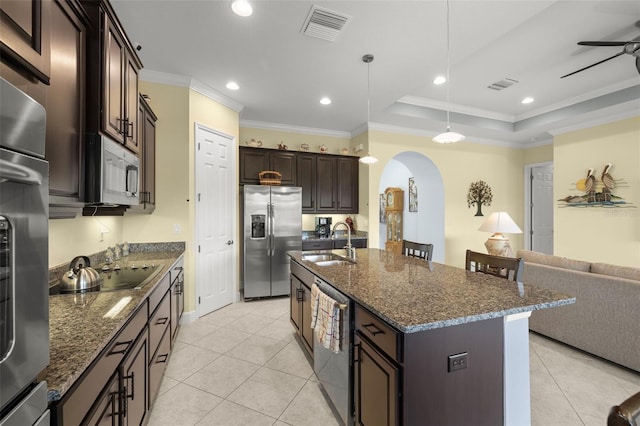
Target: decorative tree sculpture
point(479, 194)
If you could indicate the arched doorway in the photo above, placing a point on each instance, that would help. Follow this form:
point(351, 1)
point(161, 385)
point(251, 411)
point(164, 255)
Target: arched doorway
point(427, 224)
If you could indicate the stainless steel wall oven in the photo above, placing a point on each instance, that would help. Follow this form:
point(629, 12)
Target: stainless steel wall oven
point(24, 302)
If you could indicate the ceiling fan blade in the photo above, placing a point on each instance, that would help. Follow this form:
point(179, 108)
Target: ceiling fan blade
point(603, 43)
point(593, 65)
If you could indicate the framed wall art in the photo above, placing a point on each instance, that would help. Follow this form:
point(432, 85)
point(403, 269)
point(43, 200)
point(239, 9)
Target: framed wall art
point(413, 195)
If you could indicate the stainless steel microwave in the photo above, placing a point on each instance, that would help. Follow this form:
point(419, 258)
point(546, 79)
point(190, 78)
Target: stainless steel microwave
point(111, 172)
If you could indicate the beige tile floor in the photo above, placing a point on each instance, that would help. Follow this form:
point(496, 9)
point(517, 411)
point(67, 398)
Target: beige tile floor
point(241, 365)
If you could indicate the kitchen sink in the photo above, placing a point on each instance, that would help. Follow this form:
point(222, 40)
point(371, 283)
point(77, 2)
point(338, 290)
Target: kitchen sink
point(321, 257)
point(335, 262)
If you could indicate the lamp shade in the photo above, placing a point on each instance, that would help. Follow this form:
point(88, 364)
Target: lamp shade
point(500, 222)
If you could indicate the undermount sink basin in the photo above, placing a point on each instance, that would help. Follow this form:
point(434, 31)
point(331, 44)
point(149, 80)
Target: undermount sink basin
point(333, 263)
point(315, 258)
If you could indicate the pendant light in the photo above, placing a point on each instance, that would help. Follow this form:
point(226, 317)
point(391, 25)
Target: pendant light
point(368, 58)
point(448, 136)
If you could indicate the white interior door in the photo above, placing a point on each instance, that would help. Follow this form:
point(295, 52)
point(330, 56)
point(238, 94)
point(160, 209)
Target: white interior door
point(216, 256)
point(542, 209)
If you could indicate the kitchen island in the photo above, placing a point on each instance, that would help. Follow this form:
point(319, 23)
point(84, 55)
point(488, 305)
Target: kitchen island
point(442, 346)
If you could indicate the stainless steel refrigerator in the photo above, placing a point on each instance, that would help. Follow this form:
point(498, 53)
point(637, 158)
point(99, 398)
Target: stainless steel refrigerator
point(272, 223)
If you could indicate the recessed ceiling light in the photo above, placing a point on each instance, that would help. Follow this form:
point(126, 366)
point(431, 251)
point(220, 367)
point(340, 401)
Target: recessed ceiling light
point(241, 8)
point(527, 100)
point(439, 80)
point(232, 85)
point(325, 101)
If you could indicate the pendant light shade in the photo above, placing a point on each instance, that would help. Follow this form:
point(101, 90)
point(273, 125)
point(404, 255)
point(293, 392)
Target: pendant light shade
point(448, 136)
point(368, 159)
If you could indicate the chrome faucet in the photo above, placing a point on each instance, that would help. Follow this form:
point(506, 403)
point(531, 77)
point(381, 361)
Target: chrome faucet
point(351, 251)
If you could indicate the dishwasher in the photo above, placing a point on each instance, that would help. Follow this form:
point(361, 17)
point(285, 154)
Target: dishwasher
point(333, 370)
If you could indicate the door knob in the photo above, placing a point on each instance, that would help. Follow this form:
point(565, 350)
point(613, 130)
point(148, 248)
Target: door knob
point(229, 242)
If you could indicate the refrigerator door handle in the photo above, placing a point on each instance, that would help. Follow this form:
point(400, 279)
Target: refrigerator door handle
point(269, 229)
point(271, 234)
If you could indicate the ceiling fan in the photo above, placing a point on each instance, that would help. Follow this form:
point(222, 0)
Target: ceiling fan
point(629, 47)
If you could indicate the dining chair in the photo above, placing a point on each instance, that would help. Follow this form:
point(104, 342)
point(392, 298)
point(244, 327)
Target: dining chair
point(627, 413)
point(423, 251)
point(504, 267)
point(419, 250)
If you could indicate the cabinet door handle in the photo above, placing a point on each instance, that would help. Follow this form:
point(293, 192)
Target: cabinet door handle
point(162, 320)
point(122, 351)
point(370, 326)
point(129, 127)
point(121, 121)
point(133, 386)
point(356, 352)
point(162, 358)
point(300, 295)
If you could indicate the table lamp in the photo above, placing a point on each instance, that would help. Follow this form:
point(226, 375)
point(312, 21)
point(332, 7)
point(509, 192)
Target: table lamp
point(499, 223)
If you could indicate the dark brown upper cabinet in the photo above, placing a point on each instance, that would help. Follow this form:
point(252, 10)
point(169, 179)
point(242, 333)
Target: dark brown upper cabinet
point(112, 75)
point(329, 182)
point(24, 35)
point(66, 104)
point(147, 143)
point(255, 160)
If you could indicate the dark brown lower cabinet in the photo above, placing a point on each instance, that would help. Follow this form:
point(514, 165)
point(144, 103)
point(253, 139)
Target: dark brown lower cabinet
point(158, 364)
point(301, 281)
point(107, 412)
point(301, 312)
point(295, 306)
point(124, 399)
point(134, 383)
point(177, 299)
point(376, 386)
point(411, 378)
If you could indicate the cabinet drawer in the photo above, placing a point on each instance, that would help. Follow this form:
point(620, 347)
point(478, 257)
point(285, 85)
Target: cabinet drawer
point(326, 244)
point(378, 332)
point(158, 364)
point(159, 292)
point(302, 273)
point(159, 322)
point(77, 404)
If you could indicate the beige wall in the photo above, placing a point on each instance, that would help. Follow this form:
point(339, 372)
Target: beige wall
point(460, 165)
point(69, 238)
point(599, 234)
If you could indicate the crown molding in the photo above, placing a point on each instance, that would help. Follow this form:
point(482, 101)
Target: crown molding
point(190, 83)
point(294, 129)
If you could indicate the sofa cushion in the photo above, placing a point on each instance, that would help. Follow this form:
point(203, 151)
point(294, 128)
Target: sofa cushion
point(557, 261)
point(616, 271)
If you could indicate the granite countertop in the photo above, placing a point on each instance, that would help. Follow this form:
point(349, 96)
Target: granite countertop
point(79, 327)
point(340, 234)
point(405, 293)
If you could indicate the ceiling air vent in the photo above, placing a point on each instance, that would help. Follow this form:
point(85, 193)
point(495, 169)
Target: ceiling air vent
point(324, 24)
point(502, 84)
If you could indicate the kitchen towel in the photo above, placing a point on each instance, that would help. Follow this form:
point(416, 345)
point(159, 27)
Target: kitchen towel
point(325, 319)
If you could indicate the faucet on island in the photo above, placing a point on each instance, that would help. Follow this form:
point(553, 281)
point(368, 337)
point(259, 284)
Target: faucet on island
point(351, 251)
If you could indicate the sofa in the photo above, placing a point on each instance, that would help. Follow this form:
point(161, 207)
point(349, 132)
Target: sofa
point(604, 321)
